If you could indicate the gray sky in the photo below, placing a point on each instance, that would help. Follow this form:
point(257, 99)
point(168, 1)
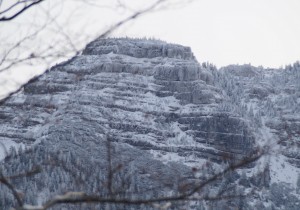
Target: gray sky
point(222, 32)
point(260, 32)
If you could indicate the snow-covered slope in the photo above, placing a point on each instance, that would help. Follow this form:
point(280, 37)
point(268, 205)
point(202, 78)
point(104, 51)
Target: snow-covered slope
point(270, 100)
point(160, 114)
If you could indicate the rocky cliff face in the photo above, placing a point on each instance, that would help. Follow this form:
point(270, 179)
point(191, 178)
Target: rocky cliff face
point(158, 112)
point(270, 100)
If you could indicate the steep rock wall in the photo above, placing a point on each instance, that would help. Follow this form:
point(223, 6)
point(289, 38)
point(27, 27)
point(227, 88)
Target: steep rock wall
point(148, 103)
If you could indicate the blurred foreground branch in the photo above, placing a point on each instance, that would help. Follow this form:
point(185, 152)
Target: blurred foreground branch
point(16, 9)
point(191, 193)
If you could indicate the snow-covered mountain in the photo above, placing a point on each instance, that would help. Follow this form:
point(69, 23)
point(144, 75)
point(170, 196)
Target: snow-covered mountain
point(161, 115)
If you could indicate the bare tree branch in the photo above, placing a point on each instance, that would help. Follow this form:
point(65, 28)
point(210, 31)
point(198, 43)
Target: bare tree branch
point(16, 46)
point(81, 197)
point(189, 192)
point(39, 56)
point(30, 173)
point(16, 14)
point(15, 193)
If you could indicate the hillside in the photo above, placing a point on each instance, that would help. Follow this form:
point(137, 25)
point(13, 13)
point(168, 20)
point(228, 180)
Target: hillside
point(151, 109)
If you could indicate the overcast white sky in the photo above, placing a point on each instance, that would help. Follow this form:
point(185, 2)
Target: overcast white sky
point(260, 32)
point(223, 32)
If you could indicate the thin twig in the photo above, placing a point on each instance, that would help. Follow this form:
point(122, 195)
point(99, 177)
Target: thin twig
point(80, 197)
point(5, 181)
point(26, 7)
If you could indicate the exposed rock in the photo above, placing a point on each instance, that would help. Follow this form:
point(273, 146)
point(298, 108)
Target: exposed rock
point(159, 109)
